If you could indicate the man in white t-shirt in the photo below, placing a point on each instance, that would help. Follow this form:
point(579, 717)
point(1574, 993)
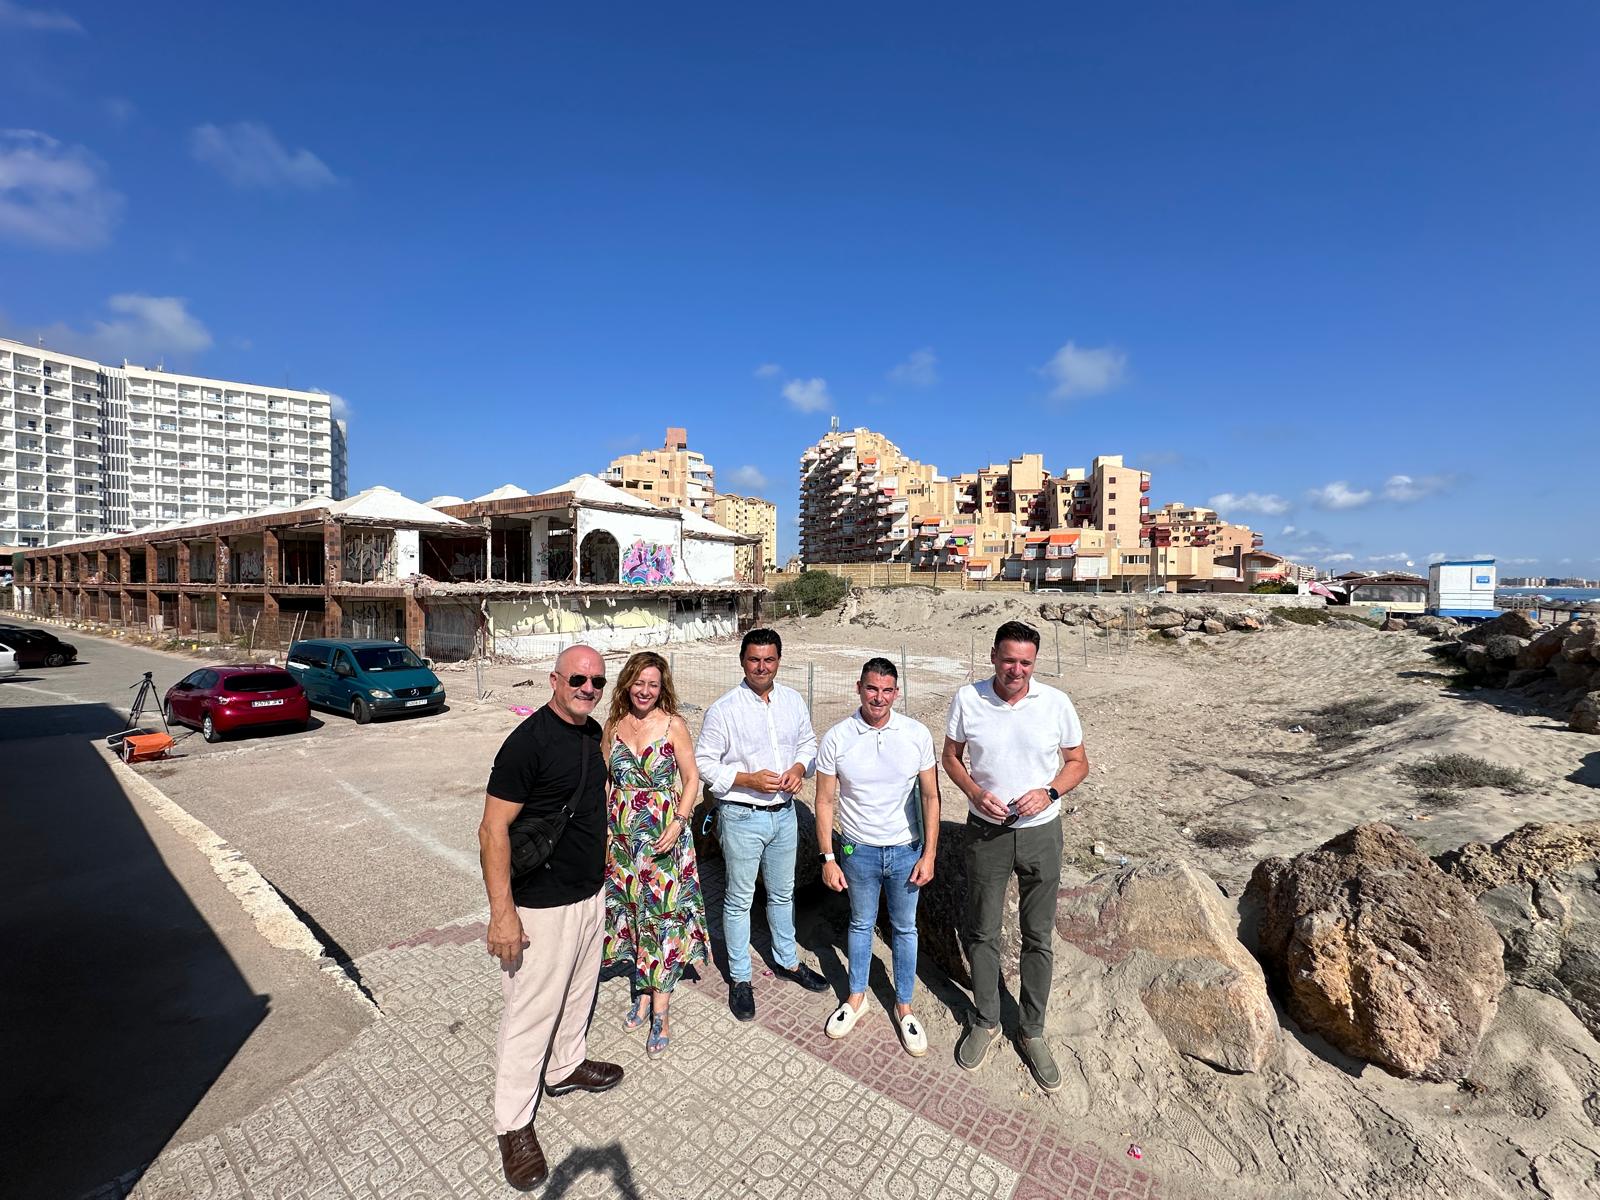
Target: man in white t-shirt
point(877, 767)
point(1023, 750)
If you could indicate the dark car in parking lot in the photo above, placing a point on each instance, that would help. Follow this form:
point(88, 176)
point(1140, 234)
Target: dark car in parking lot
point(37, 647)
point(222, 700)
point(365, 678)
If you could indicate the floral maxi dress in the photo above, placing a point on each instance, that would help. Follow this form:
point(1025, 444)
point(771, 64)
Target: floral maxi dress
point(655, 914)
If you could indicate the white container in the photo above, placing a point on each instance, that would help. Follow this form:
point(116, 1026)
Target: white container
point(1462, 588)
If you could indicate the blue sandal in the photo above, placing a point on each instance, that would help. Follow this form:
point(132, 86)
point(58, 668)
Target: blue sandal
point(637, 1014)
point(656, 1043)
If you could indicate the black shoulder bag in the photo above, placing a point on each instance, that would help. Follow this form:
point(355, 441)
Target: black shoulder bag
point(533, 839)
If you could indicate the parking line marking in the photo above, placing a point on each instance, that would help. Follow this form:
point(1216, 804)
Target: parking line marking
point(452, 854)
point(47, 692)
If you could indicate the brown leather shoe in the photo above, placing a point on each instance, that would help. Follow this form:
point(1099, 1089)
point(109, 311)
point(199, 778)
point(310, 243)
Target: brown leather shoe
point(522, 1158)
point(589, 1076)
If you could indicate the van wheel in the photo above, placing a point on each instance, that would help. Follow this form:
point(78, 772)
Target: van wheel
point(361, 711)
point(209, 730)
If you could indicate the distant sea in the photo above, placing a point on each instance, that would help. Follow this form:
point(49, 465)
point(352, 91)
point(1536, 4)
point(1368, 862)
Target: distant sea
point(1555, 593)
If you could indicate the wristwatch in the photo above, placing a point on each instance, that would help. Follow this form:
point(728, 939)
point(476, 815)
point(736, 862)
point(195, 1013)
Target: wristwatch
point(1054, 795)
point(827, 857)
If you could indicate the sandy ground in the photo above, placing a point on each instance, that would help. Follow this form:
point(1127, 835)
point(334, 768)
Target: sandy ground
point(1193, 758)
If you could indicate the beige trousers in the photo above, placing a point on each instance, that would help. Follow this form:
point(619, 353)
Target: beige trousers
point(549, 993)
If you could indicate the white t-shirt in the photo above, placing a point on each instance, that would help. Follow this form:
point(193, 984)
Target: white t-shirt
point(877, 771)
point(1014, 748)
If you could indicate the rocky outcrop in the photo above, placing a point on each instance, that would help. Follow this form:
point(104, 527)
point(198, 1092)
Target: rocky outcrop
point(1585, 717)
point(1211, 620)
point(1165, 924)
point(1437, 628)
point(1551, 930)
point(1516, 622)
point(1557, 668)
point(1165, 620)
point(1530, 852)
point(1378, 951)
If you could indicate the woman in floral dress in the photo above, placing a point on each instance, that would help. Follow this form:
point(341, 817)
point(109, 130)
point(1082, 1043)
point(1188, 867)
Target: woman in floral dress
point(655, 915)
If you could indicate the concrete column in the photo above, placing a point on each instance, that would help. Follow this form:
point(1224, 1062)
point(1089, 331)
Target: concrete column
point(185, 606)
point(333, 551)
point(223, 629)
point(124, 566)
point(333, 618)
point(269, 559)
point(183, 562)
point(150, 557)
point(222, 562)
point(416, 624)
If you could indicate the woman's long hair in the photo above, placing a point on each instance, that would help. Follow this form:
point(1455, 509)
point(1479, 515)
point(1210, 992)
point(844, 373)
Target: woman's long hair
point(666, 700)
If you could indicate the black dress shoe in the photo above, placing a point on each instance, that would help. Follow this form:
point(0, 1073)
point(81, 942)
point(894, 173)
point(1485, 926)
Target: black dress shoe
point(522, 1158)
point(804, 976)
point(742, 1000)
point(588, 1076)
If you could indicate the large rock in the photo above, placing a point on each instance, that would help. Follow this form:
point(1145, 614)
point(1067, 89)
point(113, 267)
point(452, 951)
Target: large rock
point(1504, 648)
point(1551, 929)
point(1171, 619)
point(1581, 643)
point(1437, 628)
point(1517, 622)
point(1244, 622)
point(1379, 951)
point(1165, 924)
point(1585, 716)
point(1394, 625)
point(1528, 852)
point(1212, 625)
point(1542, 649)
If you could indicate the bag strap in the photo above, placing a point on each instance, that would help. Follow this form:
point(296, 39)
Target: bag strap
point(583, 775)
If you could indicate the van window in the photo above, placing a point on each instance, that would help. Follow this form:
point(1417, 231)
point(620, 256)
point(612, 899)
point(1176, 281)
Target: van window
point(308, 654)
point(388, 658)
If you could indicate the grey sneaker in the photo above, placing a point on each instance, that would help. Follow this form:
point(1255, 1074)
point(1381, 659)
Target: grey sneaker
point(1035, 1052)
point(975, 1046)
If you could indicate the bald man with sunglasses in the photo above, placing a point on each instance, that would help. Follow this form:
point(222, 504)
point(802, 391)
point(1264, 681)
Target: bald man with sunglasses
point(546, 923)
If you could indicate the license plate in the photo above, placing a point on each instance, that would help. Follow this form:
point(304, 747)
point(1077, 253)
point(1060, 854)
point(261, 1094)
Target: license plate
point(265, 703)
point(415, 703)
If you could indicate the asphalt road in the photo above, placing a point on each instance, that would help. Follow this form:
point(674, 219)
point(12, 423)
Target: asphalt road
point(369, 830)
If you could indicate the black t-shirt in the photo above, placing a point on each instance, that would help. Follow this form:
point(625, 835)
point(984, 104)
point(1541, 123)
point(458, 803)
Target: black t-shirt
point(539, 767)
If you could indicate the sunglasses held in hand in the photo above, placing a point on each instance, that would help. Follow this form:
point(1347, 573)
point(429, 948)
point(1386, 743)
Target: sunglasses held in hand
point(597, 682)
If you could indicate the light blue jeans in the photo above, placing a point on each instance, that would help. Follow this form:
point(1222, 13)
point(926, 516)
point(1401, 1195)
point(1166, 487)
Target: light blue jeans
point(870, 870)
point(755, 841)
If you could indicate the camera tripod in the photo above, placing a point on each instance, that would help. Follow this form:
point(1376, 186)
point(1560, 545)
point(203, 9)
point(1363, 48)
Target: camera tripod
point(144, 699)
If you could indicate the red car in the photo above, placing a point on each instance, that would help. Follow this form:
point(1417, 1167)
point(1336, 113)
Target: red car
point(219, 700)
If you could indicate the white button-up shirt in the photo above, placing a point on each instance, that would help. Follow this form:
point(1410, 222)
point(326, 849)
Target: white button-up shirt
point(743, 732)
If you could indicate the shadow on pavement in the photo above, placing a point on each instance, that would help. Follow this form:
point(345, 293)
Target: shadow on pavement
point(607, 1162)
point(120, 1006)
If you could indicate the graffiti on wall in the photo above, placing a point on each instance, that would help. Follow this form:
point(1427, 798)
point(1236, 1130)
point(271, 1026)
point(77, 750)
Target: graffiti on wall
point(647, 562)
point(368, 556)
point(247, 565)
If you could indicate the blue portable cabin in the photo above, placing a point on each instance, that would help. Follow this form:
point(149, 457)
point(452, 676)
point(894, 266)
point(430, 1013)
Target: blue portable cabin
point(1462, 588)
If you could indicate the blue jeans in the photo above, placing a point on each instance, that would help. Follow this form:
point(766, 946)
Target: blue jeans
point(869, 870)
point(757, 841)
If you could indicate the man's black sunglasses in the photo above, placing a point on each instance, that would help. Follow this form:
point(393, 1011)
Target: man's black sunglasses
point(598, 682)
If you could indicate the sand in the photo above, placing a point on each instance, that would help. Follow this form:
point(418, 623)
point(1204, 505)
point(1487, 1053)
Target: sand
point(1192, 757)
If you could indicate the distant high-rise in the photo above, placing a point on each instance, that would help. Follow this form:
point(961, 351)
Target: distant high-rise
point(90, 448)
point(673, 476)
point(750, 514)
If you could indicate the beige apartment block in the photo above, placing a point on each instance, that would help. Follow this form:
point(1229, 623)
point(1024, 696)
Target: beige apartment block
point(672, 477)
point(1178, 524)
point(859, 497)
point(750, 514)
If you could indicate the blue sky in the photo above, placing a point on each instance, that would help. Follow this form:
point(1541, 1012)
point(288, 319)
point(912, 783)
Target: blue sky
point(1333, 265)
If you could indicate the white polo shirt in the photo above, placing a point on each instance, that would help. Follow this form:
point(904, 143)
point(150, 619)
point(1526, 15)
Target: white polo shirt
point(877, 771)
point(1014, 748)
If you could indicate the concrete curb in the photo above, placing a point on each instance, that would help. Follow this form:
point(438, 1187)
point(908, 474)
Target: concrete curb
point(273, 919)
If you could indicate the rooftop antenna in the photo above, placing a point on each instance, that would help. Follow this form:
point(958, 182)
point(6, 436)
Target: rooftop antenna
point(833, 424)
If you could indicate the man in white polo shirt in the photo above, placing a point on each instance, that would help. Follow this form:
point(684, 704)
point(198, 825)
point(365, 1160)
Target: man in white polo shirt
point(1023, 750)
point(877, 767)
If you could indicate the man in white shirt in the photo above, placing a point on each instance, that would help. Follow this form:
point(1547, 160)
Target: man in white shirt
point(756, 746)
point(878, 766)
point(1023, 746)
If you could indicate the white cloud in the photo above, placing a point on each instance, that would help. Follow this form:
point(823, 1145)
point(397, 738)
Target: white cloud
point(1437, 556)
point(1085, 371)
point(768, 371)
point(1251, 502)
point(1339, 495)
point(1399, 557)
point(144, 330)
point(53, 195)
point(921, 370)
point(747, 477)
point(808, 395)
point(1340, 558)
point(1516, 562)
point(1289, 531)
point(37, 20)
point(1404, 488)
point(249, 155)
point(1313, 550)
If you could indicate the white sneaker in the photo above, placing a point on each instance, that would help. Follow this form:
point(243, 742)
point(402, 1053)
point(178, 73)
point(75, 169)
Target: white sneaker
point(844, 1019)
point(912, 1036)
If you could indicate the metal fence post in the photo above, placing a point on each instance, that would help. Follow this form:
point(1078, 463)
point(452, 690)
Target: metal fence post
point(905, 681)
point(811, 688)
point(1055, 634)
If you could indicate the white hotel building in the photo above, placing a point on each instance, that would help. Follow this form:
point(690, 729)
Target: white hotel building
point(87, 448)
